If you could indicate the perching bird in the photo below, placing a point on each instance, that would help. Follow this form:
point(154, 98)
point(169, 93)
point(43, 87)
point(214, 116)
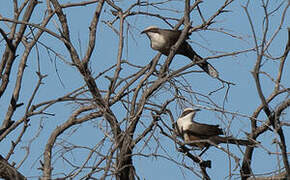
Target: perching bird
point(162, 40)
point(192, 131)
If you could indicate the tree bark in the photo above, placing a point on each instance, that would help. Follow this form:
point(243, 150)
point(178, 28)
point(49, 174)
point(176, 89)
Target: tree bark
point(8, 172)
point(125, 168)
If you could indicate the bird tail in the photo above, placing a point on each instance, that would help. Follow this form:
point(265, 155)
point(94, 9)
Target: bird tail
point(231, 140)
point(209, 69)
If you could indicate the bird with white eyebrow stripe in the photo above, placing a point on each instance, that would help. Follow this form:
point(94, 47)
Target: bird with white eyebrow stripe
point(163, 39)
point(202, 135)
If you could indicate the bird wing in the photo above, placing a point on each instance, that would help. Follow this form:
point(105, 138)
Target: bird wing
point(204, 130)
point(173, 35)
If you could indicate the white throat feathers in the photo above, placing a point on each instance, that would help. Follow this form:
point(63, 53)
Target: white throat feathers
point(185, 122)
point(157, 41)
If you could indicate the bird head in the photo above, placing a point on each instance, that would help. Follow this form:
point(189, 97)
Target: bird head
point(191, 110)
point(187, 111)
point(149, 29)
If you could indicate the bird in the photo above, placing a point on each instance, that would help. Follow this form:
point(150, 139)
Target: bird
point(163, 39)
point(203, 135)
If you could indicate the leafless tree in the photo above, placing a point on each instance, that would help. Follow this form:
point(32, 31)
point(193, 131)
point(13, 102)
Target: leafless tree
point(132, 105)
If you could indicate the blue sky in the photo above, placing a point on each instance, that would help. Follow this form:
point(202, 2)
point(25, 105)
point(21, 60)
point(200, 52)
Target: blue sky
point(242, 97)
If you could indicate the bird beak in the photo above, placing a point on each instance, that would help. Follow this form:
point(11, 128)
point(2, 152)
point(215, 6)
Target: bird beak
point(143, 32)
point(197, 110)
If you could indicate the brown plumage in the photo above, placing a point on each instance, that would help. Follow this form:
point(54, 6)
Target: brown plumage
point(163, 39)
point(192, 132)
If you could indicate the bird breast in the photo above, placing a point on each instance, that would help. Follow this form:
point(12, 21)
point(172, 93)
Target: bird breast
point(157, 41)
point(184, 123)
